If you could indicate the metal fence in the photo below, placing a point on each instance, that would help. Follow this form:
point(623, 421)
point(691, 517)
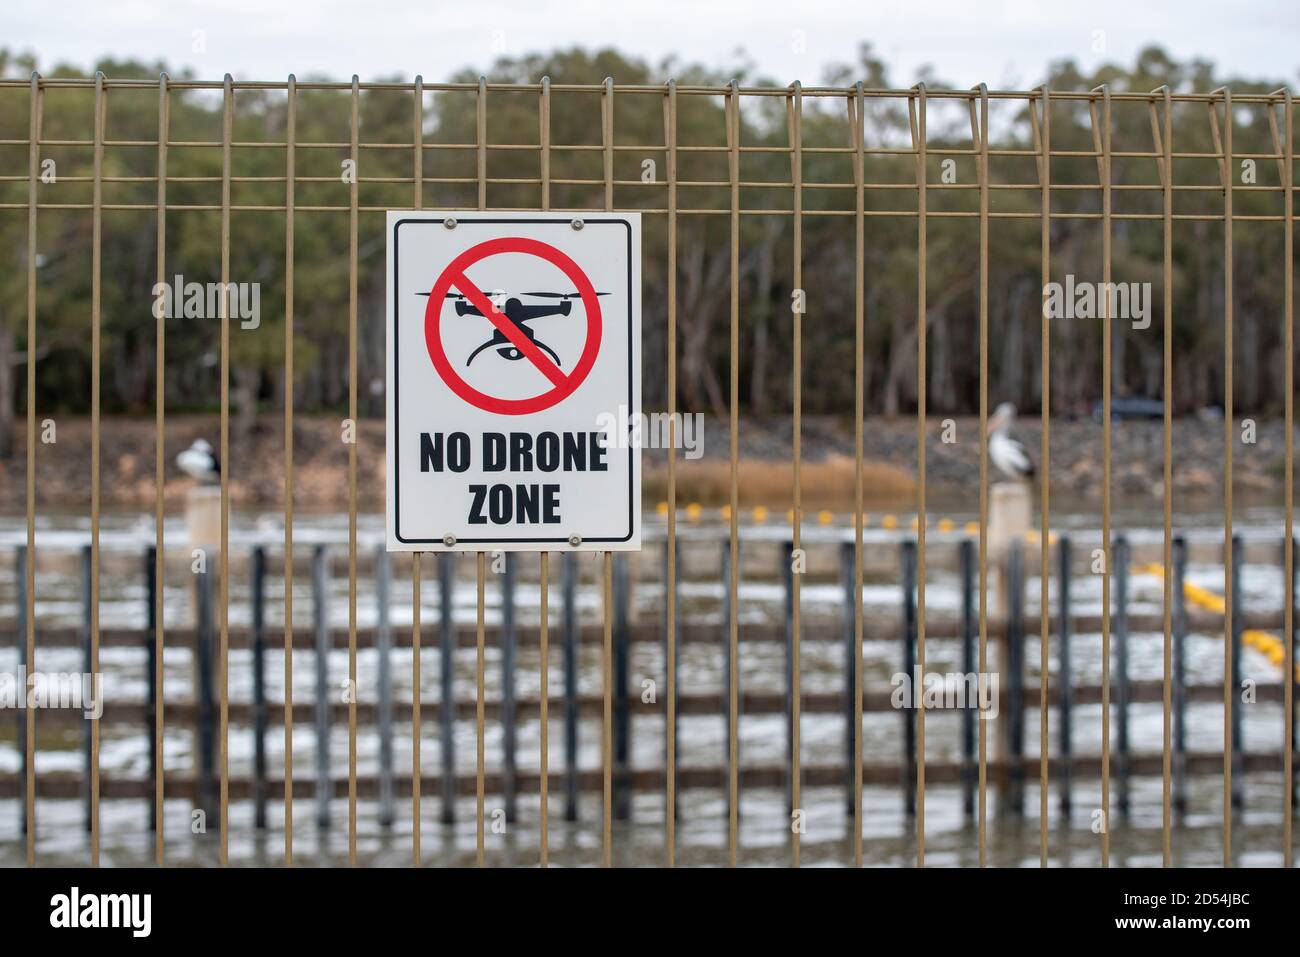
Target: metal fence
point(854, 102)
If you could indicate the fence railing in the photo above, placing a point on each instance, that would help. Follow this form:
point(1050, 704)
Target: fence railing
point(732, 199)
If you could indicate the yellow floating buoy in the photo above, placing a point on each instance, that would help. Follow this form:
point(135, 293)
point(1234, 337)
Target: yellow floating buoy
point(726, 513)
point(972, 528)
point(946, 525)
point(693, 511)
point(1266, 643)
point(662, 508)
point(889, 521)
point(760, 514)
point(825, 516)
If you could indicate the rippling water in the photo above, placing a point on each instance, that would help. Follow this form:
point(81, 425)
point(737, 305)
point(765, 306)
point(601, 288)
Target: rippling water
point(951, 838)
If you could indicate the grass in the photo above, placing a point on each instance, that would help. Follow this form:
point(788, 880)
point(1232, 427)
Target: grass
point(825, 484)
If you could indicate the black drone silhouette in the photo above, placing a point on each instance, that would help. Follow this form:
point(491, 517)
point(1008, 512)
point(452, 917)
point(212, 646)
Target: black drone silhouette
point(520, 314)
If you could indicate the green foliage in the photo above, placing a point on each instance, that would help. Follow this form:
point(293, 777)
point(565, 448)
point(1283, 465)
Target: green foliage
point(766, 242)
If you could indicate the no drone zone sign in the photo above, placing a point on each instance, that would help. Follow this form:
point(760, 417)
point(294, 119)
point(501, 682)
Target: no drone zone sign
point(514, 377)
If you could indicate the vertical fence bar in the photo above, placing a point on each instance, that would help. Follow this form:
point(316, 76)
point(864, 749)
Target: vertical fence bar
point(1179, 550)
point(447, 681)
point(384, 703)
point(1289, 781)
point(417, 131)
point(796, 710)
point(544, 560)
point(858, 118)
point(203, 653)
point(88, 754)
point(622, 687)
point(20, 630)
point(607, 738)
point(1223, 146)
point(321, 627)
point(29, 645)
point(1064, 559)
point(907, 559)
point(672, 624)
point(1238, 772)
point(1121, 664)
point(1164, 146)
point(852, 691)
point(732, 551)
point(983, 167)
point(969, 715)
point(670, 549)
point(787, 589)
point(352, 484)
point(480, 653)
point(1288, 695)
point(258, 610)
point(96, 286)
point(570, 585)
point(159, 553)
point(1044, 146)
point(1016, 665)
point(607, 571)
point(509, 736)
point(152, 651)
point(227, 132)
point(1101, 142)
point(290, 176)
point(417, 726)
point(728, 618)
point(919, 144)
point(480, 139)
point(544, 701)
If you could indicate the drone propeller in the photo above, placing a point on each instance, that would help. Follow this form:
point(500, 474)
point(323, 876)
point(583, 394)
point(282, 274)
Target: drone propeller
point(450, 295)
point(559, 295)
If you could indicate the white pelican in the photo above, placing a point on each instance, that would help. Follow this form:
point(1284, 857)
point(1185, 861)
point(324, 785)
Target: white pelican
point(200, 462)
point(1006, 453)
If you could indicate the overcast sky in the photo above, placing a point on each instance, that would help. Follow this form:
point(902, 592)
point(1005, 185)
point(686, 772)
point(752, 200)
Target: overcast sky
point(1001, 42)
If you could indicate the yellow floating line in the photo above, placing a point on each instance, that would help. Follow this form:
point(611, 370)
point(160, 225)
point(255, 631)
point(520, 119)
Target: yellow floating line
point(1267, 644)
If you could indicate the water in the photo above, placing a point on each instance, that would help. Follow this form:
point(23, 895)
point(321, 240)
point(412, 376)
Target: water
point(702, 829)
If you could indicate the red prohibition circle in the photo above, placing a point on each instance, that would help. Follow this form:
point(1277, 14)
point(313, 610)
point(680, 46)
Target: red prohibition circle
point(455, 270)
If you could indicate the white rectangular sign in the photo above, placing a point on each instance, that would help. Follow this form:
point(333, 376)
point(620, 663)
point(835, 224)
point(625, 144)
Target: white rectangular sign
point(514, 381)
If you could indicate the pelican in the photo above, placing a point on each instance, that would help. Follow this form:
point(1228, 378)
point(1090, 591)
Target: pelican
point(200, 462)
point(1007, 454)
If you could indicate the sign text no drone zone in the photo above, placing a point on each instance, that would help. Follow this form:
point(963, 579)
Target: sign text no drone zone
point(512, 342)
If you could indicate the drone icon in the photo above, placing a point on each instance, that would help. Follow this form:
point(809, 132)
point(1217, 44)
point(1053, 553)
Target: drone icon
point(520, 314)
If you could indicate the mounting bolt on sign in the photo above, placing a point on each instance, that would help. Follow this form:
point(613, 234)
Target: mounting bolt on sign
point(514, 381)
